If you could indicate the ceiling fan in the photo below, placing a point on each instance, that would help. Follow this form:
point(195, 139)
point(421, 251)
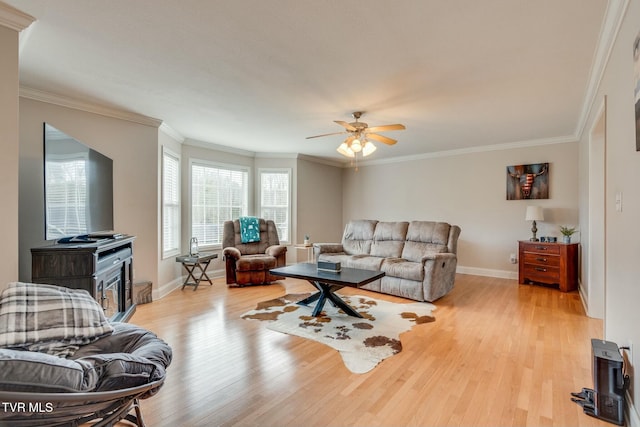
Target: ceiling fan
point(360, 136)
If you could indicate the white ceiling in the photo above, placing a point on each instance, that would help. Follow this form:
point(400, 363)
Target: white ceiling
point(261, 75)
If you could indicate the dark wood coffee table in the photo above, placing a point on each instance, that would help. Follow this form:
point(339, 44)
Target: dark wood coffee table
point(327, 283)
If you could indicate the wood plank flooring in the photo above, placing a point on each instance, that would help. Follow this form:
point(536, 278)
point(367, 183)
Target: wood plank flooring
point(498, 354)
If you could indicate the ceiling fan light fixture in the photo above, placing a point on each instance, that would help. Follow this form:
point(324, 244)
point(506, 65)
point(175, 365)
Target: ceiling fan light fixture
point(345, 150)
point(356, 146)
point(369, 147)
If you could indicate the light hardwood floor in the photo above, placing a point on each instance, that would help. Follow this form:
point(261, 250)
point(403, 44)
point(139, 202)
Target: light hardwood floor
point(498, 354)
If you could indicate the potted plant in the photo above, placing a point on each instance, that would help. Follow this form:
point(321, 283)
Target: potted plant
point(306, 240)
point(567, 232)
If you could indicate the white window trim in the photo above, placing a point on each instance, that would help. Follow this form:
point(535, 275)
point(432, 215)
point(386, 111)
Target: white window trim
point(177, 251)
point(213, 164)
point(259, 201)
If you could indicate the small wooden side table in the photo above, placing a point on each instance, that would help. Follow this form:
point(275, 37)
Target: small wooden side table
point(191, 263)
point(309, 249)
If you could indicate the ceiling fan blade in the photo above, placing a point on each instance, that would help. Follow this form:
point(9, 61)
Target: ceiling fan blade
point(381, 138)
point(346, 125)
point(386, 128)
point(325, 134)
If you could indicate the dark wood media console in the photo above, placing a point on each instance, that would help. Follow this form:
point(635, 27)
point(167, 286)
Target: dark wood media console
point(103, 268)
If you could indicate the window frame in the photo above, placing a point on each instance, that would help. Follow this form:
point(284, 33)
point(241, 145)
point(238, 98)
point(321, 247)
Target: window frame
point(167, 253)
point(223, 166)
point(287, 171)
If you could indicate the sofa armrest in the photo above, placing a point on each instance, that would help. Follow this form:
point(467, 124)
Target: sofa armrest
point(231, 252)
point(324, 248)
point(438, 256)
point(439, 274)
point(276, 250)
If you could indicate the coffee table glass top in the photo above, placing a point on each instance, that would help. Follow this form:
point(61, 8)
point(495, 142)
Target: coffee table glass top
point(347, 276)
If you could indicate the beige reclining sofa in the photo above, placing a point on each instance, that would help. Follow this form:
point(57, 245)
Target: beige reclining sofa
point(418, 257)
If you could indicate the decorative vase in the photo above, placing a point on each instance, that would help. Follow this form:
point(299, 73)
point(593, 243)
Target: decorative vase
point(566, 239)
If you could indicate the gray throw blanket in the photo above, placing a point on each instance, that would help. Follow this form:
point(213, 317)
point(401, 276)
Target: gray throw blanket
point(49, 319)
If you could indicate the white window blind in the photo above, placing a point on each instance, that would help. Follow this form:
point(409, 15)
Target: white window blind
point(66, 193)
point(170, 204)
point(275, 194)
point(218, 194)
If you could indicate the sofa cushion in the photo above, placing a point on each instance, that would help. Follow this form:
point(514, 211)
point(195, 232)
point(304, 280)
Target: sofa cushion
point(429, 232)
point(364, 262)
point(358, 236)
point(388, 239)
point(391, 231)
point(398, 267)
point(130, 357)
point(31, 371)
point(255, 262)
point(122, 370)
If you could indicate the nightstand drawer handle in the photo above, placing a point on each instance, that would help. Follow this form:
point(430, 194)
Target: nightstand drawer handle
point(542, 248)
point(541, 269)
point(541, 259)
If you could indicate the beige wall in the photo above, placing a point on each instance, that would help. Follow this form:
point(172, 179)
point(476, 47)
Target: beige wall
point(319, 203)
point(9, 159)
point(134, 150)
point(622, 269)
point(468, 190)
point(169, 271)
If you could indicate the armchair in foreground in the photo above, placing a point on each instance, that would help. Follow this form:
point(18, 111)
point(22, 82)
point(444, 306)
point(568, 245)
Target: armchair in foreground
point(62, 363)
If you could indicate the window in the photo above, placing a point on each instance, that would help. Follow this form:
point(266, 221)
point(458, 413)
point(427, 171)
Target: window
point(275, 196)
point(218, 194)
point(170, 204)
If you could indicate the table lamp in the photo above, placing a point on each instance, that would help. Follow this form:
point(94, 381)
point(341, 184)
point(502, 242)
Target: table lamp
point(534, 213)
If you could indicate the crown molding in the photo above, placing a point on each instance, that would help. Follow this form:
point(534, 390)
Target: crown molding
point(13, 18)
point(322, 161)
point(616, 10)
point(265, 155)
point(171, 132)
point(471, 150)
point(76, 104)
point(218, 147)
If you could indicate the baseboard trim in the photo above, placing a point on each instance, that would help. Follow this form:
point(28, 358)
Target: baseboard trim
point(632, 414)
point(167, 288)
point(487, 272)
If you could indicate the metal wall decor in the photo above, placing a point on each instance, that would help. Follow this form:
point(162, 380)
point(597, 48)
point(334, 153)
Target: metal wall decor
point(525, 182)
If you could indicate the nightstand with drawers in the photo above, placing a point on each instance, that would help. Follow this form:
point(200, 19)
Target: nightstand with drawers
point(549, 264)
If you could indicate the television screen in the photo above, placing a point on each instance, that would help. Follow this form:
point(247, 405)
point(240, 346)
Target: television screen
point(78, 187)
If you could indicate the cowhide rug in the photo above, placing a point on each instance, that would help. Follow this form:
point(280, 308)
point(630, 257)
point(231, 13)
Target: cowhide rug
point(362, 343)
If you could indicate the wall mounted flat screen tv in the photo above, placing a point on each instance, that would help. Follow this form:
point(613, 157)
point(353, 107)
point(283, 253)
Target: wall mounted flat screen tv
point(78, 187)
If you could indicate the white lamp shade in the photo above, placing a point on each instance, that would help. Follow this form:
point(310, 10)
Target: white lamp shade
point(356, 146)
point(345, 150)
point(368, 148)
point(534, 213)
